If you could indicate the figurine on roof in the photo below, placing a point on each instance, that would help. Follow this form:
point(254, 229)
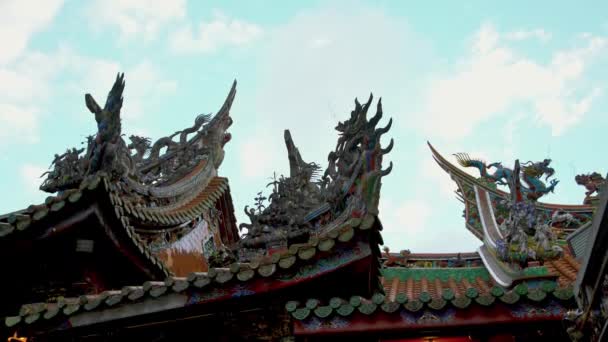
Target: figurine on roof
point(109, 152)
point(531, 173)
point(527, 234)
point(142, 166)
point(593, 183)
point(302, 204)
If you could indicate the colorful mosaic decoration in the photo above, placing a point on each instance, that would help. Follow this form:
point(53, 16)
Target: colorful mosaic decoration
point(526, 310)
point(335, 322)
point(425, 317)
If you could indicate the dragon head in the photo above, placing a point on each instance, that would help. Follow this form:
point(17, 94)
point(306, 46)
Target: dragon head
point(108, 117)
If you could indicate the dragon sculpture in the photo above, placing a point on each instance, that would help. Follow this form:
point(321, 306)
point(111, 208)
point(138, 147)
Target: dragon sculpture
point(593, 183)
point(106, 151)
point(531, 173)
point(302, 203)
point(526, 235)
point(140, 164)
point(109, 152)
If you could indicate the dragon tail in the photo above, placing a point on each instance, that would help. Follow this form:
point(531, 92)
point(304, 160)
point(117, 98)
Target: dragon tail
point(466, 161)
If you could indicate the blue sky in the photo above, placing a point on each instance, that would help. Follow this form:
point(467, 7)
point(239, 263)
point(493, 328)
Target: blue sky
point(498, 80)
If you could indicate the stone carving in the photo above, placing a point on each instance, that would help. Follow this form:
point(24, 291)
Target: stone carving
point(530, 172)
point(303, 202)
point(109, 152)
point(141, 164)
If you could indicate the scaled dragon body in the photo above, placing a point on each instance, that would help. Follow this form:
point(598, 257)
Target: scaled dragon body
point(531, 174)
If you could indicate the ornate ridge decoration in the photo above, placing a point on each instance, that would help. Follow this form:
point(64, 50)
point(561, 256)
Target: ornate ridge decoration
point(304, 204)
point(518, 231)
point(525, 235)
point(531, 173)
point(593, 183)
point(140, 166)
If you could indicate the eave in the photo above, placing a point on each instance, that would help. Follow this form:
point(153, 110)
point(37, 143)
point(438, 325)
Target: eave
point(349, 244)
point(94, 199)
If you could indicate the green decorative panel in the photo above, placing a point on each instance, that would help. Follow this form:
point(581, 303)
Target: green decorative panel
point(443, 274)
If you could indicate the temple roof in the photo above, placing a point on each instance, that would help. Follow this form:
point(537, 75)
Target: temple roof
point(334, 249)
point(433, 289)
point(514, 225)
point(311, 228)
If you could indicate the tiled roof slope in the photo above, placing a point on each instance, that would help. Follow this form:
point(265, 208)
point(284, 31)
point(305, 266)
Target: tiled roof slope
point(216, 278)
point(434, 288)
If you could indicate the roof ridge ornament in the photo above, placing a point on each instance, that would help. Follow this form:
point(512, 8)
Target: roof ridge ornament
point(531, 173)
point(140, 164)
point(303, 203)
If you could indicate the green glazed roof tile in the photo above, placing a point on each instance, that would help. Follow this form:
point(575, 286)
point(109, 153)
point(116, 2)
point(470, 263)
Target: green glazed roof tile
point(485, 300)
point(471, 292)
point(367, 308)
point(345, 309)
point(413, 305)
point(461, 302)
point(536, 295)
point(323, 311)
point(447, 294)
point(443, 274)
point(437, 303)
point(510, 297)
point(390, 307)
point(401, 298)
point(301, 313)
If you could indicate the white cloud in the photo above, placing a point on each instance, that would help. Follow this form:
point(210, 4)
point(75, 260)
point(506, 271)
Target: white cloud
point(259, 156)
point(214, 35)
point(310, 71)
point(144, 84)
point(22, 76)
point(314, 66)
point(403, 220)
point(30, 177)
point(539, 34)
point(431, 172)
point(494, 77)
point(136, 18)
point(26, 88)
point(18, 122)
point(20, 20)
